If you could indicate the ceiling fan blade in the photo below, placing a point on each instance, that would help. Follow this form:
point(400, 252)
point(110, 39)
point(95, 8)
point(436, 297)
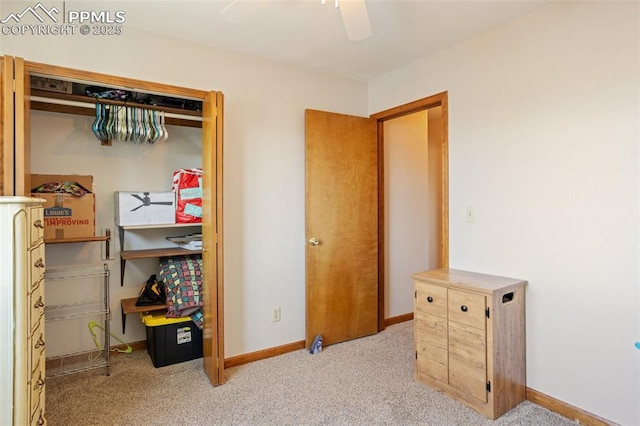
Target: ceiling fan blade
point(239, 11)
point(356, 19)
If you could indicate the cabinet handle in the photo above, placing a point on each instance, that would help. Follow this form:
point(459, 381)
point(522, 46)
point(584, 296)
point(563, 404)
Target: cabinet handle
point(464, 308)
point(38, 224)
point(39, 303)
point(39, 263)
point(40, 342)
point(41, 418)
point(429, 299)
point(39, 383)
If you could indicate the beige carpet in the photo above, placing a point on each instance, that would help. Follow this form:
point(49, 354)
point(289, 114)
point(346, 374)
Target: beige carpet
point(368, 381)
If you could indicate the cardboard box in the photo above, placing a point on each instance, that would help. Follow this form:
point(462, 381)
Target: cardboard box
point(145, 208)
point(51, 84)
point(171, 340)
point(66, 215)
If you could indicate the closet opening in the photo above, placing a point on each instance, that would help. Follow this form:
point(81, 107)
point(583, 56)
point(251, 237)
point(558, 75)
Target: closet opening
point(54, 134)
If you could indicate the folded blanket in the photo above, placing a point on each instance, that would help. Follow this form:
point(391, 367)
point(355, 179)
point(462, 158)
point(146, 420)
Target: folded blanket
point(72, 188)
point(182, 277)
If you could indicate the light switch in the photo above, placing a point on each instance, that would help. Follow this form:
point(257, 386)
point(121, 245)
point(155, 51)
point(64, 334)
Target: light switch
point(470, 214)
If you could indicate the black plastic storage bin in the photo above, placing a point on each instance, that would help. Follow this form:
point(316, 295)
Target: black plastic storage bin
point(172, 340)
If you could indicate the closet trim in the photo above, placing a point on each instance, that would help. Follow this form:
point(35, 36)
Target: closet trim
point(212, 130)
point(84, 105)
point(6, 127)
point(70, 74)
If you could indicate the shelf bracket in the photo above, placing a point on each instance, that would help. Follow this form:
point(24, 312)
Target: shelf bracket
point(107, 244)
point(123, 263)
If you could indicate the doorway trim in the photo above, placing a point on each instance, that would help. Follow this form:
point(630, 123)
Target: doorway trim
point(441, 100)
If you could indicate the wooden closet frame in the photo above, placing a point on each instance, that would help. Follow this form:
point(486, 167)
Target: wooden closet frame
point(15, 169)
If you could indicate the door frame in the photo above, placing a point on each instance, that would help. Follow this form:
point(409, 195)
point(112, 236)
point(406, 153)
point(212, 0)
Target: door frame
point(441, 100)
point(212, 162)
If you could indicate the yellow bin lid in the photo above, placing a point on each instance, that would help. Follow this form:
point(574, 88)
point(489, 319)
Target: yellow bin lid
point(154, 319)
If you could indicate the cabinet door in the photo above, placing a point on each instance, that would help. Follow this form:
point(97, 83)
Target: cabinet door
point(431, 346)
point(468, 343)
point(431, 338)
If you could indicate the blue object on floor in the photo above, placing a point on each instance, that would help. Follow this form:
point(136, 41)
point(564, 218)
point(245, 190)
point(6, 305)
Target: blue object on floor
point(316, 346)
point(638, 345)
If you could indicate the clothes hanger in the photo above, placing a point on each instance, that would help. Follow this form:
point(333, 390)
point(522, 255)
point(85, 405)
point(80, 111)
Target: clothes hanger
point(129, 127)
point(165, 133)
point(96, 122)
point(142, 124)
point(93, 324)
point(129, 124)
point(157, 130)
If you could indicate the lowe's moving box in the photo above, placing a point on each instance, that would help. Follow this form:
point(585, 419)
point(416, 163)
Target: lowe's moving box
point(66, 215)
point(145, 208)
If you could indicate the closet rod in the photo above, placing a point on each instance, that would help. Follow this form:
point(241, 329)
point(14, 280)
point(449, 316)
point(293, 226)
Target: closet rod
point(93, 105)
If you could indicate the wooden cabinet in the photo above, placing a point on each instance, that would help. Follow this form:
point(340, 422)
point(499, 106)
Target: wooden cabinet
point(22, 338)
point(470, 338)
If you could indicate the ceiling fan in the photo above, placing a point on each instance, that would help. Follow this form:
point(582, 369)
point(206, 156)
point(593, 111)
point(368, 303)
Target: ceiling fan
point(354, 15)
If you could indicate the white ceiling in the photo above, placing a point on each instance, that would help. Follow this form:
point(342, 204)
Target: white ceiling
point(308, 34)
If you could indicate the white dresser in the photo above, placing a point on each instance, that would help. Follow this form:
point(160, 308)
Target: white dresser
point(22, 341)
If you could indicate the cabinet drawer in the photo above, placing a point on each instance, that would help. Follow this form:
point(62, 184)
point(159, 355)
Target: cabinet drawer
point(38, 418)
point(36, 347)
point(431, 299)
point(36, 225)
point(36, 264)
point(467, 308)
point(36, 306)
point(36, 388)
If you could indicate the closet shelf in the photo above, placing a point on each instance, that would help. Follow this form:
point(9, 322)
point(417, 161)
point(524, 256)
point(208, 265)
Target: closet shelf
point(98, 238)
point(150, 253)
point(76, 362)
point(78, 310)
point(43, 100)
point(78, 240)
point(64, 273)
point(128, 306)
point(155, 252)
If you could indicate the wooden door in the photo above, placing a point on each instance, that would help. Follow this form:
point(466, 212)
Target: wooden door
point(212, 279)
point(341, 227)
point(22, 132)
point(6, 126)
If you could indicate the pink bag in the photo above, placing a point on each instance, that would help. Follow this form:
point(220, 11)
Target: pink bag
point(187, 184)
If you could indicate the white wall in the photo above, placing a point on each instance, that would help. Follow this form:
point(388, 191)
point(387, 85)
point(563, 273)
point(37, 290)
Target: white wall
point(263, 165)
point(543, 137)
point(434, 184)
point(406, 208)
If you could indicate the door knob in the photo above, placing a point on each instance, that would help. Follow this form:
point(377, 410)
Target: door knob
point(313, 241)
